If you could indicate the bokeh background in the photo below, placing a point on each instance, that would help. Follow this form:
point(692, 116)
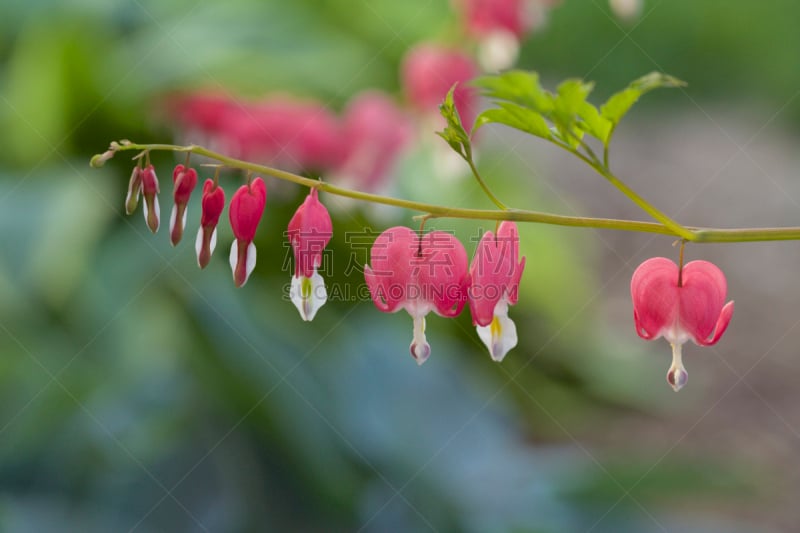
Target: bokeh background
point(138, 393)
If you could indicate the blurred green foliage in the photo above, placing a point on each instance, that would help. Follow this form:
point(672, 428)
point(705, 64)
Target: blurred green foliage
point(139, 393)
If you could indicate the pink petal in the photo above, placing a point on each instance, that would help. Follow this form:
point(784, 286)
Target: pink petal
point(702, 297)
point(654, 290)
point(246, 209)
point(388, 276)
point(442, 273)
point(309, 231)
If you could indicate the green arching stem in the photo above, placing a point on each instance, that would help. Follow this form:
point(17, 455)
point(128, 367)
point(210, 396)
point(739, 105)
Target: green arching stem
point(647, 207)
point(492, 197)
point(430, 211)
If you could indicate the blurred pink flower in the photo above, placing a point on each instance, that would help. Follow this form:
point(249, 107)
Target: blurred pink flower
point(680, 306)
point(375, 130)
point(278, 130)
point(287, 133)
point(419, 275)
point(430, 70)
point(483, 17)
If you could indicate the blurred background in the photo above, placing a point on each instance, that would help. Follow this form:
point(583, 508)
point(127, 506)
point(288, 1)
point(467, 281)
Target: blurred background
point(139, 393)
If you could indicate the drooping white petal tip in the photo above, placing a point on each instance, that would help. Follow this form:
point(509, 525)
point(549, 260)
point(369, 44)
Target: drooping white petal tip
point(677, 375)
point(249, 258)
point(308, 295)
point(501, 335)
point(420, 349)
point(198, 246)
point(172, 217)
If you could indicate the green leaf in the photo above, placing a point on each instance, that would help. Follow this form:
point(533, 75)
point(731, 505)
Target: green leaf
point(594, 123)
point(570, 100)
point(517, 117)
point(618, 105)
point(454, 134)
point(518, 87)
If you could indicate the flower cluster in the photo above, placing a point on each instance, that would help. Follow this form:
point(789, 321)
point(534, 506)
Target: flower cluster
point(424, 273)
point(309, 231)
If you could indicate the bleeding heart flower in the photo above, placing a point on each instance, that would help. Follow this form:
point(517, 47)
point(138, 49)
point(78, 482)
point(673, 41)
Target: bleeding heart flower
point(309, 232)
point(247, 206)
point(150, 191)
point(213, 203)
point(495, 271)
point(419, 275)
point(184, 180)
point(680, 305)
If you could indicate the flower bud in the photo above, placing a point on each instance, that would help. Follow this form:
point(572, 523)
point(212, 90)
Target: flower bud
point(150, 192)
point(134, 189)
point(184, 181)
point(212, 205)
point(246, 209)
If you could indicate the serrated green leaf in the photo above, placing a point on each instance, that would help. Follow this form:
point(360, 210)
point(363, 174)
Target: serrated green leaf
point(518, 87)
point(570, 100)
point(516, 117)
point(618, 105)
point(594, 123)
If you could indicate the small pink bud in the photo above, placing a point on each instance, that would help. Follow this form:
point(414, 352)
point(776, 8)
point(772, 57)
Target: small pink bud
point(213, 203)
point(680, 306)
point(150, 191)
point(309, 232)
point(184, 181)
point(246, 209)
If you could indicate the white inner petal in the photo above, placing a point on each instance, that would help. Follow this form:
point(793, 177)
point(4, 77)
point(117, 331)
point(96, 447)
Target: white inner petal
point(501, 335)
point(308, 295)
point(173, 215)
point(198, 242)
point(420, 349)
point(250, 259)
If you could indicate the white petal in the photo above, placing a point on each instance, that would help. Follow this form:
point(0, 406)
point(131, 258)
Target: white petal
point(183, 220)
point(198, 242)
point(308, 295)
point(501, 335)
point(250, 258)
point(234, 255)
point(626, 9)
point(498, 51)
point(173, 215)
point(420, 349)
